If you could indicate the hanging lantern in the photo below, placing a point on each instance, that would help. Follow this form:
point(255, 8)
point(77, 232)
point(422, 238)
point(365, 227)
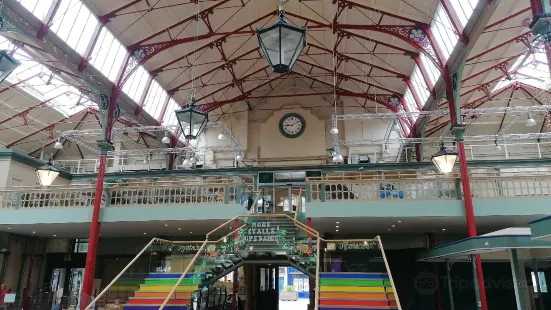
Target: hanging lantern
point(7, 65)
point(444, 160)
point(47, 174)
point(192, 120)
point(281, 44)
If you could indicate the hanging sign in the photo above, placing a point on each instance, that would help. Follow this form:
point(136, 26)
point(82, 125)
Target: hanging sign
point(262, 231)
point(175, 248)
point(352, 246)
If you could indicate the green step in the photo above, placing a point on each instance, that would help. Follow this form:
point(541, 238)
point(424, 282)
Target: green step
point(354, 282)
point(128, 282)
point(171, 281)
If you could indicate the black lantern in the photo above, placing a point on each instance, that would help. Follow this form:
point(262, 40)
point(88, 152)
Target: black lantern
point(7, 65)
point(281, 44)
point(444, 160)
point(47, 174)
point(192, 120)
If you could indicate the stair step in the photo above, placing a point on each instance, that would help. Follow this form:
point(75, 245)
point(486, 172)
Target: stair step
point(158, 302)
point(358, 303)
point(366, 289)
point(155, 307)
point(182, 295)
point(353, 275)
point(356, 308)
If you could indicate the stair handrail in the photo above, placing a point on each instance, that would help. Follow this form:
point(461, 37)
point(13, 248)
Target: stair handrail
point(120, 274)
point(192, 262)
point(378, 238)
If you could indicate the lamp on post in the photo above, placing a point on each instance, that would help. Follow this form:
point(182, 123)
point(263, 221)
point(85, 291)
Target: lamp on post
point(7, 65)
point(281, 44)
point(192, 120)
point(444, 160)
point(47, 174)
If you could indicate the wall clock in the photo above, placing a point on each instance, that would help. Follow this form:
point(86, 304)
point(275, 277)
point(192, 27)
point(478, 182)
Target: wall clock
point(292, 125)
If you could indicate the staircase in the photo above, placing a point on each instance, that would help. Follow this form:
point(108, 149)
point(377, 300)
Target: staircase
point(156, 287)
point(356, 290)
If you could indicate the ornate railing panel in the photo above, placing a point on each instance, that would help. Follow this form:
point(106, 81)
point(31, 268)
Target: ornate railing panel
point(123, 196)
point(427, 189)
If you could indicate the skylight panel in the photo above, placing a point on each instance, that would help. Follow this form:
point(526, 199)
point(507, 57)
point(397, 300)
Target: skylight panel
point(532, 71)
point(443, 31)
point(135, 85)
point(169, 118)
point(464, 9)
point(74, 24)
point(108, 55)
point(432, 70)
point(155, 100)
point(38, 8)
point(410, 103)
point(419, 85)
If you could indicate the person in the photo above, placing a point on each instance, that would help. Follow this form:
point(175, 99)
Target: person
point(3, 291)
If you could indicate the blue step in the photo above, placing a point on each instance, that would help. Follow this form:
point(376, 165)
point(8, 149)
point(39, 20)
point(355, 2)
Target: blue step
point(353, 275)
point(352, 308)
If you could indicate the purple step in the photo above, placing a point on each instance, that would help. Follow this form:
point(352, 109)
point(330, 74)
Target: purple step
point(154, 307)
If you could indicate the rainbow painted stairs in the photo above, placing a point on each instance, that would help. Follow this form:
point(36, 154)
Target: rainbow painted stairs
point(148, 291)
point(355, 290)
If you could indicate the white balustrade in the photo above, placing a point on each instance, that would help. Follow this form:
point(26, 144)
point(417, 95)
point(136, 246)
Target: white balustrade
point(428, 189)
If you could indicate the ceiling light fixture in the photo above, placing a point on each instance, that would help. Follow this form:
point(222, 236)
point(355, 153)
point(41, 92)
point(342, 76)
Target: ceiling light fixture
point(166, 139)
point(238, 157)
point(192, 120)
point(58, 145)
point(337, 158)
point(399, 221)
point(47, 174)
point(444, 160)
point(530, 122)
point(221, 136)
point(443, 229)
point(179, 228)
point(281, 44)
point(498, 147)
point(337, 222)
point(334, 130)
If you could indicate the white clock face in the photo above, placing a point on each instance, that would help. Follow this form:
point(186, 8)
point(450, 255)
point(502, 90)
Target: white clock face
point(292, 125)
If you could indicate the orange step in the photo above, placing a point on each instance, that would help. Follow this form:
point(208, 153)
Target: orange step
point(163, 295)
point(333, 295)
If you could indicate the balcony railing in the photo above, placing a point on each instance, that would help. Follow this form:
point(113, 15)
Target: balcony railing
point(345, 188)
point(126, 195)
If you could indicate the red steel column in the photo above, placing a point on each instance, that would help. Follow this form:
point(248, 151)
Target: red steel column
point(27, 296)
point(471, 222)
point(93, 237)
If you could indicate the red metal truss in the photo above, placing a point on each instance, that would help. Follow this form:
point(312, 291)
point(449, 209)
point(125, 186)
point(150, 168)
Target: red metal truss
point(241, 79)
point(346, 58)
point(25, 112)
point(387, 100)
point(139, 54)
point(503, 20)
point(345, 77)
point(471, 105)
point(223, 66)
point(520, 38)
point(350, 4)
point(50, 128)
